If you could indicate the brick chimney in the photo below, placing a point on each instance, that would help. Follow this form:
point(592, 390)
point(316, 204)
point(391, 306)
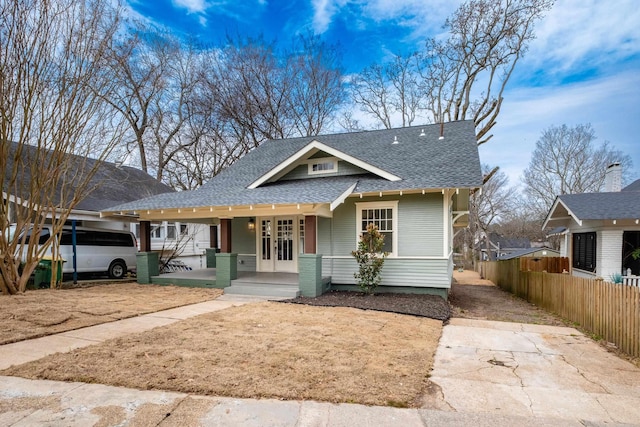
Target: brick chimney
point(613, 178)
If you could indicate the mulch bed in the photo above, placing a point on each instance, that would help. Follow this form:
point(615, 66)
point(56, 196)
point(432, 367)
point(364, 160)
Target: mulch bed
point(431, 306)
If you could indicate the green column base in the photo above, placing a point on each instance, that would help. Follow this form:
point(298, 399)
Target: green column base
point(226, 269)
point(310, 274)
point(211, 257)
point(147, 266)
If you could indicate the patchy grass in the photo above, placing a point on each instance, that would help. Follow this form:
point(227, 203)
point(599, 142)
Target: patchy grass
point(49, 311)
point(265, 350)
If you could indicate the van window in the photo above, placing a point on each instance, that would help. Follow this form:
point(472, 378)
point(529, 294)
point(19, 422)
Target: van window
point(44, 236)
point(97, 238)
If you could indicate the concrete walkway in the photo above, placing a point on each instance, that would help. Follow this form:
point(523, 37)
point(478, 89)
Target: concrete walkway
point(485, 374)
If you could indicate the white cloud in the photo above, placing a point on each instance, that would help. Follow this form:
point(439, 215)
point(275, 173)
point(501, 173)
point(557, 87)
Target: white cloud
point(423, 20)
point(595, 33)
point(610, 104)
point(192, 6)
point(323, 11)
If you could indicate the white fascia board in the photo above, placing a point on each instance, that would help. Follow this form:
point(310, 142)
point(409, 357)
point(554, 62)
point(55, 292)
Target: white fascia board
point(342, 197)
point(553, 209)
point(314, 146)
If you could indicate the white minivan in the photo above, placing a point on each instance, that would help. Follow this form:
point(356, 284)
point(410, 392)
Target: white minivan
point(97, 250)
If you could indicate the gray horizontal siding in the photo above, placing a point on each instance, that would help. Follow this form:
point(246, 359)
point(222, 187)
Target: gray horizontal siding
point(302, 171)
point(323, 241)
point(243, 240)
point(246, 262)
point(426, 273)
point(420, 225)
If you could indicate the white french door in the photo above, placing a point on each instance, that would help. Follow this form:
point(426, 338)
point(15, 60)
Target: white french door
point(278, 244)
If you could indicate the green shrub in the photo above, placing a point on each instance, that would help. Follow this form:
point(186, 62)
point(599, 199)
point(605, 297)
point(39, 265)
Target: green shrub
point(370, 259)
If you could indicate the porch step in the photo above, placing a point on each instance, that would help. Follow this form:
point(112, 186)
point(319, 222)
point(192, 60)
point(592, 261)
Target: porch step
point(262, 289)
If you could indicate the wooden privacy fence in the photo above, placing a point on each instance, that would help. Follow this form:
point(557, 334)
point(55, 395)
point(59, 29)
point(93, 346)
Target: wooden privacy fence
point(608, 310)
point(548, 264)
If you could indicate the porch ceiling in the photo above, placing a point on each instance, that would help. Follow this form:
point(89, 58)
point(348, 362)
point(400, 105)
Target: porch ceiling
point(210, 215)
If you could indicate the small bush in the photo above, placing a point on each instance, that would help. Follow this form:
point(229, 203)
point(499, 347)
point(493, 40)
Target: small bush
point(370, 259)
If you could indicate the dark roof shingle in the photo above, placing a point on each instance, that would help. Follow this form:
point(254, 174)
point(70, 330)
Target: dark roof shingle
point(420, 159)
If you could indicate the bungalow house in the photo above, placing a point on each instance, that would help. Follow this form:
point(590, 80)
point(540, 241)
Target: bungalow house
point(599, 231)
point(299, 206)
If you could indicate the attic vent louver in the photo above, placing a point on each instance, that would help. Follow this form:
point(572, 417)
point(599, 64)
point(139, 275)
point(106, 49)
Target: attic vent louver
point(395, 140)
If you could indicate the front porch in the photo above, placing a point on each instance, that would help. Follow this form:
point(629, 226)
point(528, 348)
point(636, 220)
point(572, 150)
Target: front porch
point(246, 283)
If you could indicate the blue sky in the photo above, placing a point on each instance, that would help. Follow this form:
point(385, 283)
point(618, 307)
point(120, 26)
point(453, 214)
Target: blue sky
point(584, 66)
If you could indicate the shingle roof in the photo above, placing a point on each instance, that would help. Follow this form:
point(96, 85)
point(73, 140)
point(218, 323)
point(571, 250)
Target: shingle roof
point(111, 184)
point(615, 205)
point(422, 162)
point(634, 186)
point(522, 252)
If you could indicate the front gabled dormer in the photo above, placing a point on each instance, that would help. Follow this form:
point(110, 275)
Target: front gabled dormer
point(316, 160)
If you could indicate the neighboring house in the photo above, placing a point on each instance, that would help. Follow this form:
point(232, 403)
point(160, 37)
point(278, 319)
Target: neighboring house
point(599, 231)
point(113, 183)
point(530, 252)
point(501, 246)
point(188, 240)
point(299, 205)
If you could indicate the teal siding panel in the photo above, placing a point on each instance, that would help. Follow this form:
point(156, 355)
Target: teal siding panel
point(243, 240)
point(344, 228)
point(302, 171)
point(246, 262)
point(420, 225)
point(398, 272)
point(323, 241)
point(299, 172)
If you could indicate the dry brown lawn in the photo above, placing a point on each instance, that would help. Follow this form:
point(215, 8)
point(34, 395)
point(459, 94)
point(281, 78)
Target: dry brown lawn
point(49, 311)
point(265, 350)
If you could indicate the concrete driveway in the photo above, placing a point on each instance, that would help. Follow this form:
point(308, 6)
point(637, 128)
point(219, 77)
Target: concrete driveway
point(515, 369)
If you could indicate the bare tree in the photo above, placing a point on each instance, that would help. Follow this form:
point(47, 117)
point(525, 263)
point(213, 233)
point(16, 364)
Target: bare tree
point(488, 205)
point(251, 91)
point(155, 76)
point(317, 90)
point(372, 92)
point(460, 78)
point(51, 89)
point(566, 161)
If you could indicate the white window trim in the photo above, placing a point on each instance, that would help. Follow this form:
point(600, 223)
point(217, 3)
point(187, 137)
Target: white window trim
point(332, 160)
point(389, 204)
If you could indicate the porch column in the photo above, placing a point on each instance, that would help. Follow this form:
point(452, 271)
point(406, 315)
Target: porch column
point(225, 236)
point(310, 274)
point(147, 266)
point(226, 269)
point(310, 226)
point(145, 236)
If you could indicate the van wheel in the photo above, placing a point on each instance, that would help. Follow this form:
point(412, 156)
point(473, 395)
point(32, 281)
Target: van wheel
point(117, 270)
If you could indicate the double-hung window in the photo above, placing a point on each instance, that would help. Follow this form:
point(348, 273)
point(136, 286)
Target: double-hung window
point(383, 215)
point(584, 251)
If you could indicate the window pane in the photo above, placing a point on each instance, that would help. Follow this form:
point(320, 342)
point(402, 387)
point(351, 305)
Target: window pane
point(171, 231)
point(388, 242)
